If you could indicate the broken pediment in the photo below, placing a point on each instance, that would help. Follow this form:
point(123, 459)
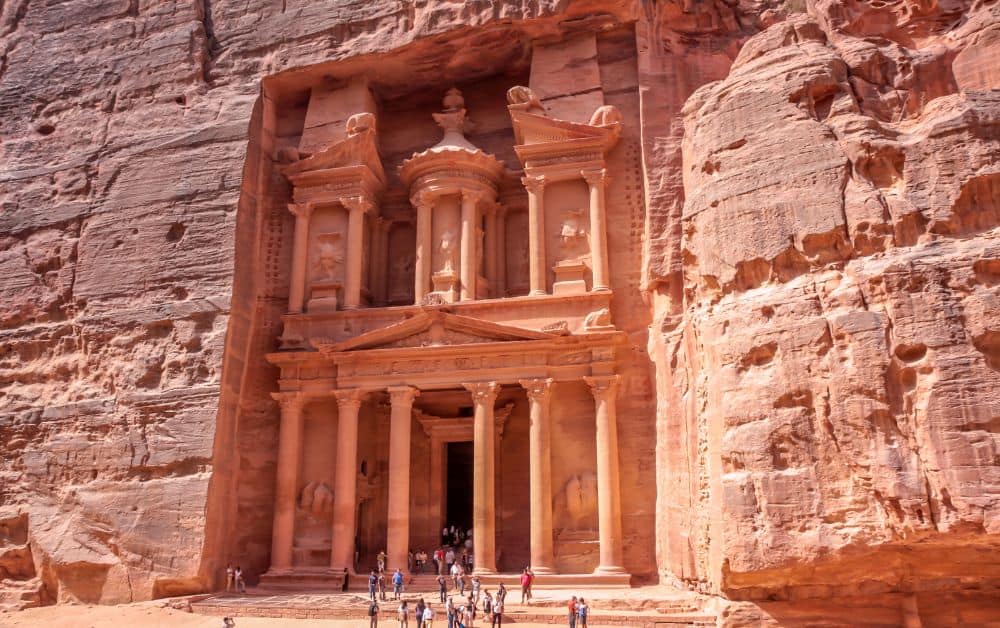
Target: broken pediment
point(358, 149)
point(433, 329)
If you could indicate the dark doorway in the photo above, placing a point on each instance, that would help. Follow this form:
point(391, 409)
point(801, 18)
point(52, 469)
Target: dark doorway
point(459, 485)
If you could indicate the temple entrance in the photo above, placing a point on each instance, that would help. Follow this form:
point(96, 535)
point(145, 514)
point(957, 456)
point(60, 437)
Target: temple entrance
point(458, 484)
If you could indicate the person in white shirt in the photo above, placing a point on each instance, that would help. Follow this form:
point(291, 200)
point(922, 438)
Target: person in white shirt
point(428, 616)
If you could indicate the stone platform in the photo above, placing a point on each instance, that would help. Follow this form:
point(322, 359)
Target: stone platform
point(650, 607)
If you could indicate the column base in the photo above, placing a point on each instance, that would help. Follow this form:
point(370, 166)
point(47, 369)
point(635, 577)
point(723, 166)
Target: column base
point(483, 571)
point(610, 570)
point(543, 571)
point(537, 293)
point(600, 289)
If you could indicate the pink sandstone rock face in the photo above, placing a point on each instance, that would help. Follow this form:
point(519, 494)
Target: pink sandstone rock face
point(812, 199)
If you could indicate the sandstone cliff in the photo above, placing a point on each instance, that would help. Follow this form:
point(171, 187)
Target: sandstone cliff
point(821, 256)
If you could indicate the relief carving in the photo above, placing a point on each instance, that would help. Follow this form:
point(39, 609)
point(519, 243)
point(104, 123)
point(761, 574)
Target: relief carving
point(449, 251)
point(521, 97)
point(573, 237)
point(575, 506)
point(329, 256)
point(598, 320)
point(317, 499)
point(607, 115)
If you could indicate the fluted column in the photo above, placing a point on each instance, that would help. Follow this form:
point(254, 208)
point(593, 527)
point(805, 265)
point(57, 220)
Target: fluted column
point(605, 391)
point(356, 208)
point(597, 180)
point(484, 395)
point(468, 271)
point(287, 480)
point(300, 252)
point(540, 473)
point(345, 482)
point(490, 254)
point(424, 249)
point(536, 233)
point(398, 534)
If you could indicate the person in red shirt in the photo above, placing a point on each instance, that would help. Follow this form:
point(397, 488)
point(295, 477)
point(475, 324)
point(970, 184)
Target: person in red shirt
point(525, 585)
point(571, 610)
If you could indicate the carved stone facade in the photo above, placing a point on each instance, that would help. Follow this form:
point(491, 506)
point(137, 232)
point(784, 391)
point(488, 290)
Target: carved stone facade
point(459, 342)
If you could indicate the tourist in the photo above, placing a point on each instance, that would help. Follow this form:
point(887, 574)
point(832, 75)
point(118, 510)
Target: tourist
point(460, 617)
point(228, 622)
point(397, 584)
point(469, 603)
point(373, 614)
point(419, 560)
point(472, 563)
point(230, 577)
point(455, 570)
point(372, 583)
point(502, 592)
point(461, 579)
point(475, 588)
point(438, 561)
point(241, 585)
point(497, 619)
point(381, 558)
point(418, 612)
point(444, 535)
point(469, 616)
point(487, 605)
point(531, 584)
point(346, 581)
point(411, 561)
point(571, 610)
point(428, 616)
point(381, 586)
point(442, 587)
point(581, 613)
point(525, 585)
point(449, 612)
point(403, 614)
point(449, 559)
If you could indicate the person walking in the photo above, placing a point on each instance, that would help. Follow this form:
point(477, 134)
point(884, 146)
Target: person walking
point(497, 619)
point(571, 612)
point(372, 583)
point(428, 617)
point(487, 606)
point(438, 561)
point(230, 577)
point(581, 613)
point(461, 580)
point(449, 559)
point(470, 616)
point(475, 588)
point(373, 614)
point(397, 584)
point(502, 592)
point(403, 615)
point(241, 585)
point(449, 613)
point(346, 581)
point(531, 584)
point(442, 587)
point(418, 612)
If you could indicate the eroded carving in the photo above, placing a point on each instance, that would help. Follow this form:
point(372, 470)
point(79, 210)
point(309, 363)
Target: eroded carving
point(598, 320)
point(317, 499)
point(573, 237)
point(576, 506)
point(329, 256)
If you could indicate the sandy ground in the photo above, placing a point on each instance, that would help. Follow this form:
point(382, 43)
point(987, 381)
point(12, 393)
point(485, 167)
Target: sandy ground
point(153, 615)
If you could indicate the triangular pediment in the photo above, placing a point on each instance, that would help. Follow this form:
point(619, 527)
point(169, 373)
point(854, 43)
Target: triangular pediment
point(433, 329)
point(532, 128)
point(360, 149)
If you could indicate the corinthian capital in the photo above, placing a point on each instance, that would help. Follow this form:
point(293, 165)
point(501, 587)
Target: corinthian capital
point(538, 390)
point(301, 210)
point(350, 397)
point(402, 395)
point(483, 393)
point(535, 184)
point(422, 198)
point(598, 176)
point(603, 387)
point(357, 203)
point(289, 401)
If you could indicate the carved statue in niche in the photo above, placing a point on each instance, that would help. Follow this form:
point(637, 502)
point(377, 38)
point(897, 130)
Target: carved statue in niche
point(329, 256)
point(576, 505)
point(317, 499)
point(573, 236)
point(449, 250)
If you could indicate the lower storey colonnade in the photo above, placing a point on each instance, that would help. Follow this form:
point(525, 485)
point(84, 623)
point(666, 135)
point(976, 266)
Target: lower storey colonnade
point(483, 396)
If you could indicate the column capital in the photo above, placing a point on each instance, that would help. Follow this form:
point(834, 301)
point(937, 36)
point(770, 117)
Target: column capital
point(537, 389)
point(483, 393)
point(534, 184)
point(603, 387)
point(289, 400)
point(423, 198)
point(595, 176)
point(301, 210)
point(356, 203)
point(402, 395)
point(350, 397)
point(474, 195)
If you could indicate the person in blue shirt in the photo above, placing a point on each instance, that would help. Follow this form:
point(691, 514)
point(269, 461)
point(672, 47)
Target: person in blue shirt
point(372, 580)
point(397, 584)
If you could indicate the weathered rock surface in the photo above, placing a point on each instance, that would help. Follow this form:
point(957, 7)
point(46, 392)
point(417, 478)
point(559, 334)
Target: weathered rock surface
point(821, 252)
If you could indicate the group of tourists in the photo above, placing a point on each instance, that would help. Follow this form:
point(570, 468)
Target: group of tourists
point(234, 579)
point(577, 611)
point(490, 607)
point(376, 584)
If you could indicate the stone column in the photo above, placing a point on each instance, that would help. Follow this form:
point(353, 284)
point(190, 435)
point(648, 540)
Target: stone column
point(424, 249)
point(437, 484)
point(300, 252)
point(500, 281)
point(597, 180)
point(605, 391)
point(287, 481)
point(345, 483)
point(356, 208)
point(490, 254)
point(379, 260)
point(398, 535)
point(484, 395)
point(540, 473)
point(536, 234)
point(468, 271)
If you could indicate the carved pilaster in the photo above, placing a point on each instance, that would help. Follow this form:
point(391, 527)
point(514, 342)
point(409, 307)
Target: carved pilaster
point(597, 179)
point(536, 232)
point(605, 391)
point(300, 249)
